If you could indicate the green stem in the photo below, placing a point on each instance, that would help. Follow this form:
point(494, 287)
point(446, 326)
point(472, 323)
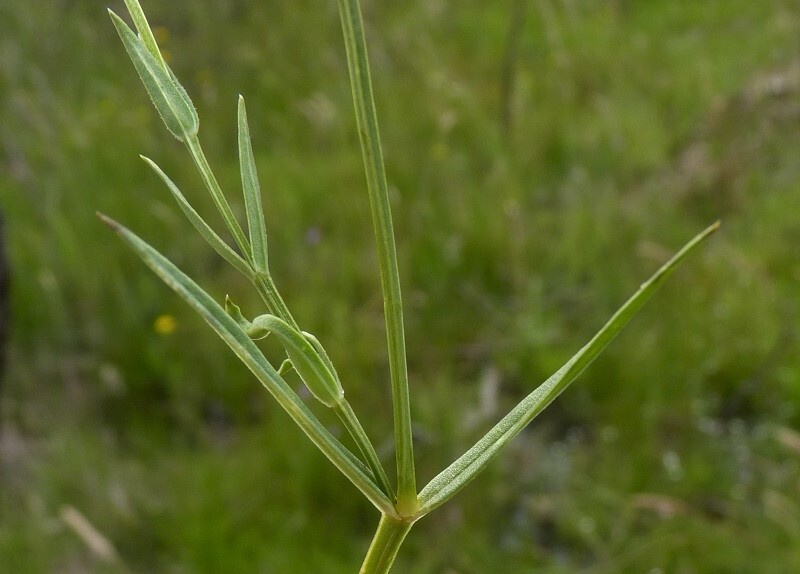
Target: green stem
point(345, 413)
point(193, 143)
point(275, 303)
point(361, 85)
point(385, 544)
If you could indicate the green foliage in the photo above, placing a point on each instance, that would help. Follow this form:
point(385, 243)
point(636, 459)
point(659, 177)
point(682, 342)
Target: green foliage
point(252, 195)
point(303, 350)
point(513, 247)
point(241, 344)
point(169, 97)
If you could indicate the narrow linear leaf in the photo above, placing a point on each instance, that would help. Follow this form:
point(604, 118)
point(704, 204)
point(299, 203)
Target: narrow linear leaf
point(221, 203)
point(447, 483)
point(252, 194)
point(201, 226)
point(145, 33)
point(251, 356)
point(369, 135)
point(170, 100)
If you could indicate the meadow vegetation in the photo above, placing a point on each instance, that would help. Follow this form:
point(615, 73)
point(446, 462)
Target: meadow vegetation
point(544, 158)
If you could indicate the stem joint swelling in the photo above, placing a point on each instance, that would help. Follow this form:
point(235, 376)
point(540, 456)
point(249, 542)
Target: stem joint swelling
point(400, 505)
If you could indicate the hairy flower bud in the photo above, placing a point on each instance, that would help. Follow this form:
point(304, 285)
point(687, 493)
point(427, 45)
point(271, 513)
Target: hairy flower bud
point(169, 98)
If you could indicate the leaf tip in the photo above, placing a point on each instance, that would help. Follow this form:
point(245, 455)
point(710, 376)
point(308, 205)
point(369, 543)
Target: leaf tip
point(119, 23)
point(149, 162)
point(108, 221)
point(230, 307)
point(233, 310)
point(710, 230)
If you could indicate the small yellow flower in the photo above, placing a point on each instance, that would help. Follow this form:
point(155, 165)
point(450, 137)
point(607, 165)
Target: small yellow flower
point(164, 325)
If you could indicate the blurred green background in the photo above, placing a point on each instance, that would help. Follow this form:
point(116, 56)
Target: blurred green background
point(544, 156)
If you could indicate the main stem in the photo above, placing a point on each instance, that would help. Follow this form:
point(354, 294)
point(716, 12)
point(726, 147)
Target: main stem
point(361, 84)
point(383, 550)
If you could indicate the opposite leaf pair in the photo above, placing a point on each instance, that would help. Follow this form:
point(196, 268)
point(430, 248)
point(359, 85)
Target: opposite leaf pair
point(402, 507)
point(305, 353)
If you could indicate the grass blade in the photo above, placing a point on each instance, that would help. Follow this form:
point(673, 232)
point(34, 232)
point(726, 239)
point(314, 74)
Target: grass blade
point(252, 194)
point(447, 483)
point(216, 242)
point(244, 348)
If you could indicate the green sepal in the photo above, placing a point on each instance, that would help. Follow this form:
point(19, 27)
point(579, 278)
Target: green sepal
point(235, 312)
point(285, 367)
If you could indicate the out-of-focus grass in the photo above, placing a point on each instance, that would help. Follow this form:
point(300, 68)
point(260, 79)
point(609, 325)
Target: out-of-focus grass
point(632, 125)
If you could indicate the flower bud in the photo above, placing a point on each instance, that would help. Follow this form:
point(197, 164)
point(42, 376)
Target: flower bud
point(169, 98)
point(305, 352)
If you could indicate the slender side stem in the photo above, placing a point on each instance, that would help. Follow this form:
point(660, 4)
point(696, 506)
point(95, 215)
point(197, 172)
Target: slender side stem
point(345, 413)
point(193, 143)
point(275, 304)
point(361, 85)
point(385, 544)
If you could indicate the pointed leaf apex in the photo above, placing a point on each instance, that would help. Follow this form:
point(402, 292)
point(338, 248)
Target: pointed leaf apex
point(109, 222)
